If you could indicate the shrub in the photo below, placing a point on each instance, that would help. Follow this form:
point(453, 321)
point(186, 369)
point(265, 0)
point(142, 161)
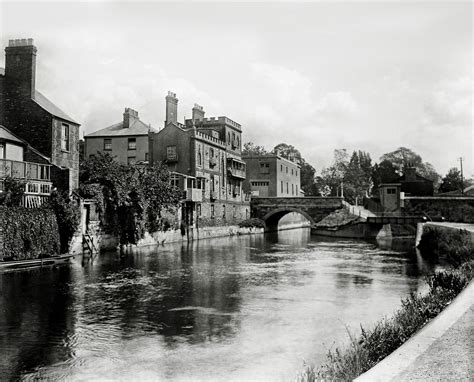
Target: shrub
point(13, 190)
point(28, 233)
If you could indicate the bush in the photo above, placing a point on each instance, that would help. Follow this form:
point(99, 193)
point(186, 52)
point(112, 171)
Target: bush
point(28, 233)
point(454, 245)
point(13, 191)
point(252, 223)
point(67, 216)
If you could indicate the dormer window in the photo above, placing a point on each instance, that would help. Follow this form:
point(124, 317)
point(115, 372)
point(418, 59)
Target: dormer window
point(64, 137)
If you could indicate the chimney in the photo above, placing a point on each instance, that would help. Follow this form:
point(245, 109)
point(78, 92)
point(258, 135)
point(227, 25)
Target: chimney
point(130, 116)
point(20, 67)
point(171, 108)
point(410, 174)
point(198, 113)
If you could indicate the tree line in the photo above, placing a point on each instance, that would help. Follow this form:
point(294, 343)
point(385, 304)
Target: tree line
point(357, 175)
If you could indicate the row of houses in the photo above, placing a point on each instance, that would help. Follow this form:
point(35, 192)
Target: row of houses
point(40, 144)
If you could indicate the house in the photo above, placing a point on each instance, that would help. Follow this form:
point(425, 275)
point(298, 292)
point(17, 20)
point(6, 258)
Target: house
point(204, 155)
point(35, 175)
point(271, 175)
point(413, 184)
point(127, 140)
point(32, 117)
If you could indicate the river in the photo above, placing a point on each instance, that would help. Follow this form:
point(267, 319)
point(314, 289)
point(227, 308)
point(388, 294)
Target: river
point(239, 308)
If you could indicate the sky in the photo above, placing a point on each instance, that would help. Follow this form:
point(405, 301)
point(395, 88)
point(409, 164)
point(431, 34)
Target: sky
point(320, 76)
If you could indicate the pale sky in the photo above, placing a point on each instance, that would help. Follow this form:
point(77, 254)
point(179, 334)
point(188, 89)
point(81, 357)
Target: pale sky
point(324, 75)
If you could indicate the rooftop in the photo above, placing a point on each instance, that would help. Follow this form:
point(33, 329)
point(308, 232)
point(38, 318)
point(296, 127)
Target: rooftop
point(117, 130)
point(5, 134)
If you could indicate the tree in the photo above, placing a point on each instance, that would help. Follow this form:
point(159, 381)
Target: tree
point(451, 181)
point(402, 158)
point(383, 172)
point(307, 172)
point(332, 177)
point(357, 177)
point(251, 149)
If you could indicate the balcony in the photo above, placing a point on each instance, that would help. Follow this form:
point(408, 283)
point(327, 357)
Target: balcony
point(194, 195)
point(236, 173)
point(24, 170)
point(36, 193)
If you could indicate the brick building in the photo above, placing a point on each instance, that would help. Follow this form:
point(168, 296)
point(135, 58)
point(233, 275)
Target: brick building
point(272, 175)
point(204, 155)
point(127, 140)
point(31, 116)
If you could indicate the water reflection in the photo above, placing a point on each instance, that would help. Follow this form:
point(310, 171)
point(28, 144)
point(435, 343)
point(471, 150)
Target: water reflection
point(238, 308)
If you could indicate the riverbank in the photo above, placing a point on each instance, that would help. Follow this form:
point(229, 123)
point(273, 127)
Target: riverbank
point(374, 345)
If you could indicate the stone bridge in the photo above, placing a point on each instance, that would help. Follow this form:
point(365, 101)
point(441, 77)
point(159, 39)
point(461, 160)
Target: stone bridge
point(313, 208)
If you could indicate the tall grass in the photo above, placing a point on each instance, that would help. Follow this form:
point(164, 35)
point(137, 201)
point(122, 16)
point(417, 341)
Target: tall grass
point(372, 345)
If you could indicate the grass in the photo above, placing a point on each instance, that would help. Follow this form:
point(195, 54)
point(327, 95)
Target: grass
point(371, 346)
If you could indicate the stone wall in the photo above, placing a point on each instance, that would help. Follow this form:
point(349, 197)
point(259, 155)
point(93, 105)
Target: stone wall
point(454, 209)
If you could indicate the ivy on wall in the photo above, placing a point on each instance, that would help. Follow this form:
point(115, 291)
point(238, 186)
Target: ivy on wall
point(27, 233)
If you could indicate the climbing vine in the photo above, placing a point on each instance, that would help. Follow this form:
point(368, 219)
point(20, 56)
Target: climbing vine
point(130, 198)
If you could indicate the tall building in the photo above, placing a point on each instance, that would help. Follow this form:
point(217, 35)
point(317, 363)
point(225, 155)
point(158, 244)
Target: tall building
point(204, 155)
point(31, 116)
point(271, 175)
point(127, 140)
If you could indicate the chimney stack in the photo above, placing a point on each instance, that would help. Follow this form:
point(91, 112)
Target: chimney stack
point(198, 113)
point(20, 67)
point(171, 108)
point(130, 116)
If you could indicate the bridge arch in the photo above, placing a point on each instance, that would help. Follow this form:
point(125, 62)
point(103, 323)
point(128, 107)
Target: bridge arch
point(272, 218)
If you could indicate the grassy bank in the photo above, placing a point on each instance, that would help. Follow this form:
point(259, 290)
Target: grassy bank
point(372, 345)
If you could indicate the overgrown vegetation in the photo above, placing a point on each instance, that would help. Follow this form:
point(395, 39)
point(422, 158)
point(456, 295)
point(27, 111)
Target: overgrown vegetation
point(252, 223)
point(373, 345)
point(130, 198)
point(13, 191)
point(67, 215)
point(28, 233)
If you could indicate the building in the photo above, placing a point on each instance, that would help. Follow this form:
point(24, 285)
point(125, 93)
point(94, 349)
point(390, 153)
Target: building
point(413, 184)
point(31, 116)
point(35, 175)
point(271, 175)
point(390, 198)
point(204, 155)
point(127, 140)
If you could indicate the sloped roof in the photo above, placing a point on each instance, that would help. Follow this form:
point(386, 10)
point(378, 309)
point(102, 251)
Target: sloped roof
point(7, 135)
point(117, 130)
point(51, 108)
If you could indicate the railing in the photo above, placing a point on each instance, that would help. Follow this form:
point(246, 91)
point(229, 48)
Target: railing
point(209, 138)
point(236, 173)
point(36, 193)
point(24, 170)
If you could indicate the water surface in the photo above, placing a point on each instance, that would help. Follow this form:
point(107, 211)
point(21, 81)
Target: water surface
point(239, 308)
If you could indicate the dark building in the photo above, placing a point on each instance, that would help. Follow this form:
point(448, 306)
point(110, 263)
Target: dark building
point(413, 184)
point(31, 116)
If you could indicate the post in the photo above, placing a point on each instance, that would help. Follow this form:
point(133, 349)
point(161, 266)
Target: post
point(462, 178)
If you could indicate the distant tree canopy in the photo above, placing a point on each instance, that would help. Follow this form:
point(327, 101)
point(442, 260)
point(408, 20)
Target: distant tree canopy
point(402, 158)
point(252, 149)
point(452, 181)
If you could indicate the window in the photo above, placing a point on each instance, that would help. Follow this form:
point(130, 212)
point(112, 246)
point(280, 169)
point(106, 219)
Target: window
point(199, 157)
point(131, 160)
point(287, 169)
point(107, 144)
point(132, 143)
point(282, 187)
point(291, 171)
point(296, 189)
point(175, 181)
point(265, 168)
point(146, 156)
point(234, 212)
point(296, 172)
point(64, 137)
point(212, 211)
point(292, 189)
point(287, 188)
point(281, 168)
point(198, 210)
point(223, 211)
point(171, 153)
point(391, 191)
point(2, 150)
